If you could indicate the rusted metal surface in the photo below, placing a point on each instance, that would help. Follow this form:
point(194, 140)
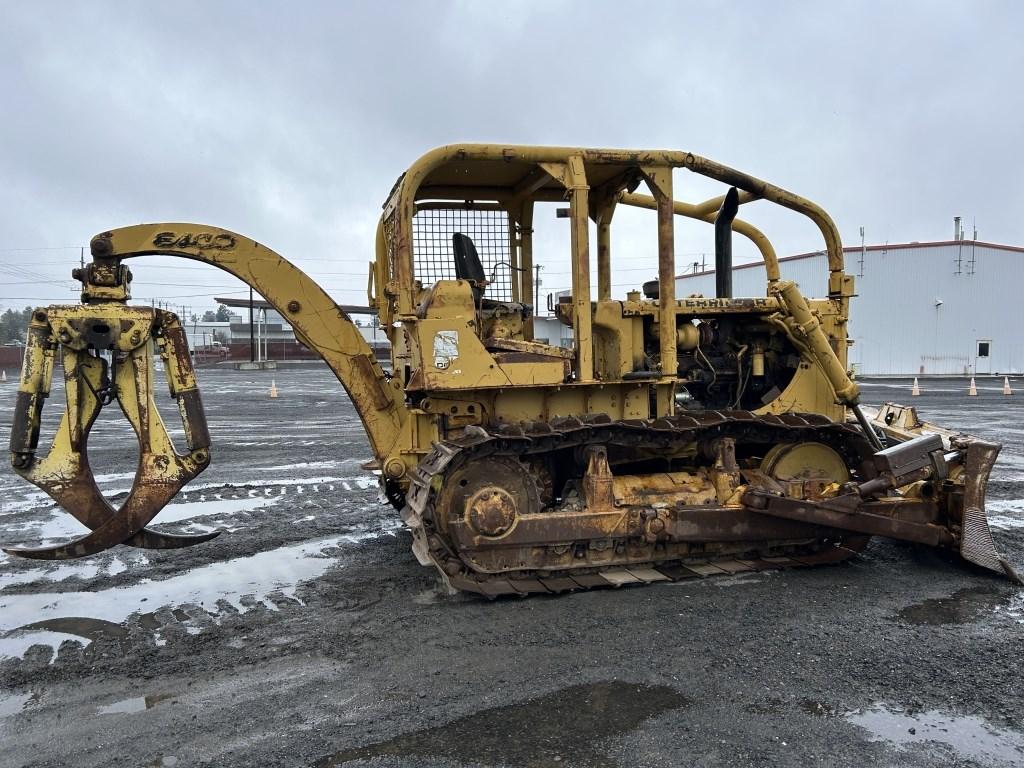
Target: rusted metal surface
point(595, 535)
point(976, 544)
point(660, 182)
point(695, 489)
point(598, 490)
point(574, 538)
point(862, 517)
point(918, 518)
point(529, 347)
point(80, 333)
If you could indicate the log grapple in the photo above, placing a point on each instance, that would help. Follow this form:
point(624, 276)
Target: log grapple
point(105, 353)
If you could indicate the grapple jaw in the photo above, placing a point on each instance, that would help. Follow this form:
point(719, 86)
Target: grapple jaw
point(105, 350)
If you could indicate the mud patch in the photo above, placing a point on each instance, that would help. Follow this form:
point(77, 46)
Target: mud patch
point(83, 626)
point(962, 607)
point(817, 708)
point(568, 727)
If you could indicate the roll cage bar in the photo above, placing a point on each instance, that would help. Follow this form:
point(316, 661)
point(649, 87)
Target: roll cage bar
point(594, 181)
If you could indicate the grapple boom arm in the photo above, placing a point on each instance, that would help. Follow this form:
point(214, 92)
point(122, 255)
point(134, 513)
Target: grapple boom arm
point(104, 346)
point(317, 320)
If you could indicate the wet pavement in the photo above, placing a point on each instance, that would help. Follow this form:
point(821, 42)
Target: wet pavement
point(307, 635)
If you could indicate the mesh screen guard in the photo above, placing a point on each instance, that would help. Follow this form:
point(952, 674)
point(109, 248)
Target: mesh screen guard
point(434, 258)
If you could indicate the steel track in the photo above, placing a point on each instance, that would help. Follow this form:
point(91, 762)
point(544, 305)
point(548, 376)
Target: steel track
point(530, 440)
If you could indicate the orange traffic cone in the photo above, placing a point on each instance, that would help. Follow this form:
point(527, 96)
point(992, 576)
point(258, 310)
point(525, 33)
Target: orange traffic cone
point(273, 388)
point(973, 391)
point(915, 390)
point(1006, 386)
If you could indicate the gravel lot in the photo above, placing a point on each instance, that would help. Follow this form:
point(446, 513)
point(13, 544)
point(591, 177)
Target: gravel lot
point(307, 634)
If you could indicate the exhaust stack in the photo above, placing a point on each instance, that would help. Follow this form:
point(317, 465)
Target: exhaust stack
point(723, 243)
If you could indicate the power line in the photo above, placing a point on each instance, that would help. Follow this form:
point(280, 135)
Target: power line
point(36, 282)
point(24, 272)
point(45, 248)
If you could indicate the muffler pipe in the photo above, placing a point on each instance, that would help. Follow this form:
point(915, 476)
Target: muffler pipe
point(723, 243)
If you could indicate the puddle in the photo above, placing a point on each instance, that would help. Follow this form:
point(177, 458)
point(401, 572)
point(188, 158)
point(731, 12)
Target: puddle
point(971, 737)
point(1004, 505)
point(14, 703)
point(365, 532)
point(962, 607)
point(16, 643)
point(50, 572)
point(243, 583)
point(60, 525)
point(136, 704)
point(1014, 609)
point(1005, 514)
point(569, 727)
point(187, 510)
point(304, 465)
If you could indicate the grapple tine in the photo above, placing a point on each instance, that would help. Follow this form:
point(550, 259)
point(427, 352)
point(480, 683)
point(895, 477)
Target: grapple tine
point(64, 473)
point(144, 539)
point(139, 508)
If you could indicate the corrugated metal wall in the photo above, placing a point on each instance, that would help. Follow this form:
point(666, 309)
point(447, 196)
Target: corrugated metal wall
point(551, 330)
point(920, 309)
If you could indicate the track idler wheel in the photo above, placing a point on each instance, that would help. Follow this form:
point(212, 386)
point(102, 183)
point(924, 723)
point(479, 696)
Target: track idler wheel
point(81, 334)
point(490, 494)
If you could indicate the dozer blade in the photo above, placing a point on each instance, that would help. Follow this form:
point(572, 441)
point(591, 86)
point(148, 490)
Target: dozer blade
point(64, 473)
point(976, 543)
point(926, 490)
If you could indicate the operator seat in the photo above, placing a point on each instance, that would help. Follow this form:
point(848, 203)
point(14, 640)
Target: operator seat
point(468, 265)
point(506, 350)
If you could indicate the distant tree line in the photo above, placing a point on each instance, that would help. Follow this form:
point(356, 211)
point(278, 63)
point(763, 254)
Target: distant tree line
point(14, 325)
point(14, 322)
point(222, 315)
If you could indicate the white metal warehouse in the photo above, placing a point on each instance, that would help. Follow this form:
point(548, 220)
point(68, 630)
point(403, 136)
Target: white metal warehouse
point(951, 308)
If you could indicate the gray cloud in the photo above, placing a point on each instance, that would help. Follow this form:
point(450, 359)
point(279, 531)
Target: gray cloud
point(290, 122)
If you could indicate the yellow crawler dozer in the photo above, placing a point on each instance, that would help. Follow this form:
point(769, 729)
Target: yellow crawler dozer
point(675, 437)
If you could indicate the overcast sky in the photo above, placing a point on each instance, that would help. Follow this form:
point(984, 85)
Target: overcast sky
point(290, 122)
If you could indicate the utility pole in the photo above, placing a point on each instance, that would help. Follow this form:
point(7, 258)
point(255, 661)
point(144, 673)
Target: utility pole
point(536, 288)
point(252, 332)
point(863, 250)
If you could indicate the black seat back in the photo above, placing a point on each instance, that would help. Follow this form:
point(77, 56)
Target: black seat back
point(467, 263)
